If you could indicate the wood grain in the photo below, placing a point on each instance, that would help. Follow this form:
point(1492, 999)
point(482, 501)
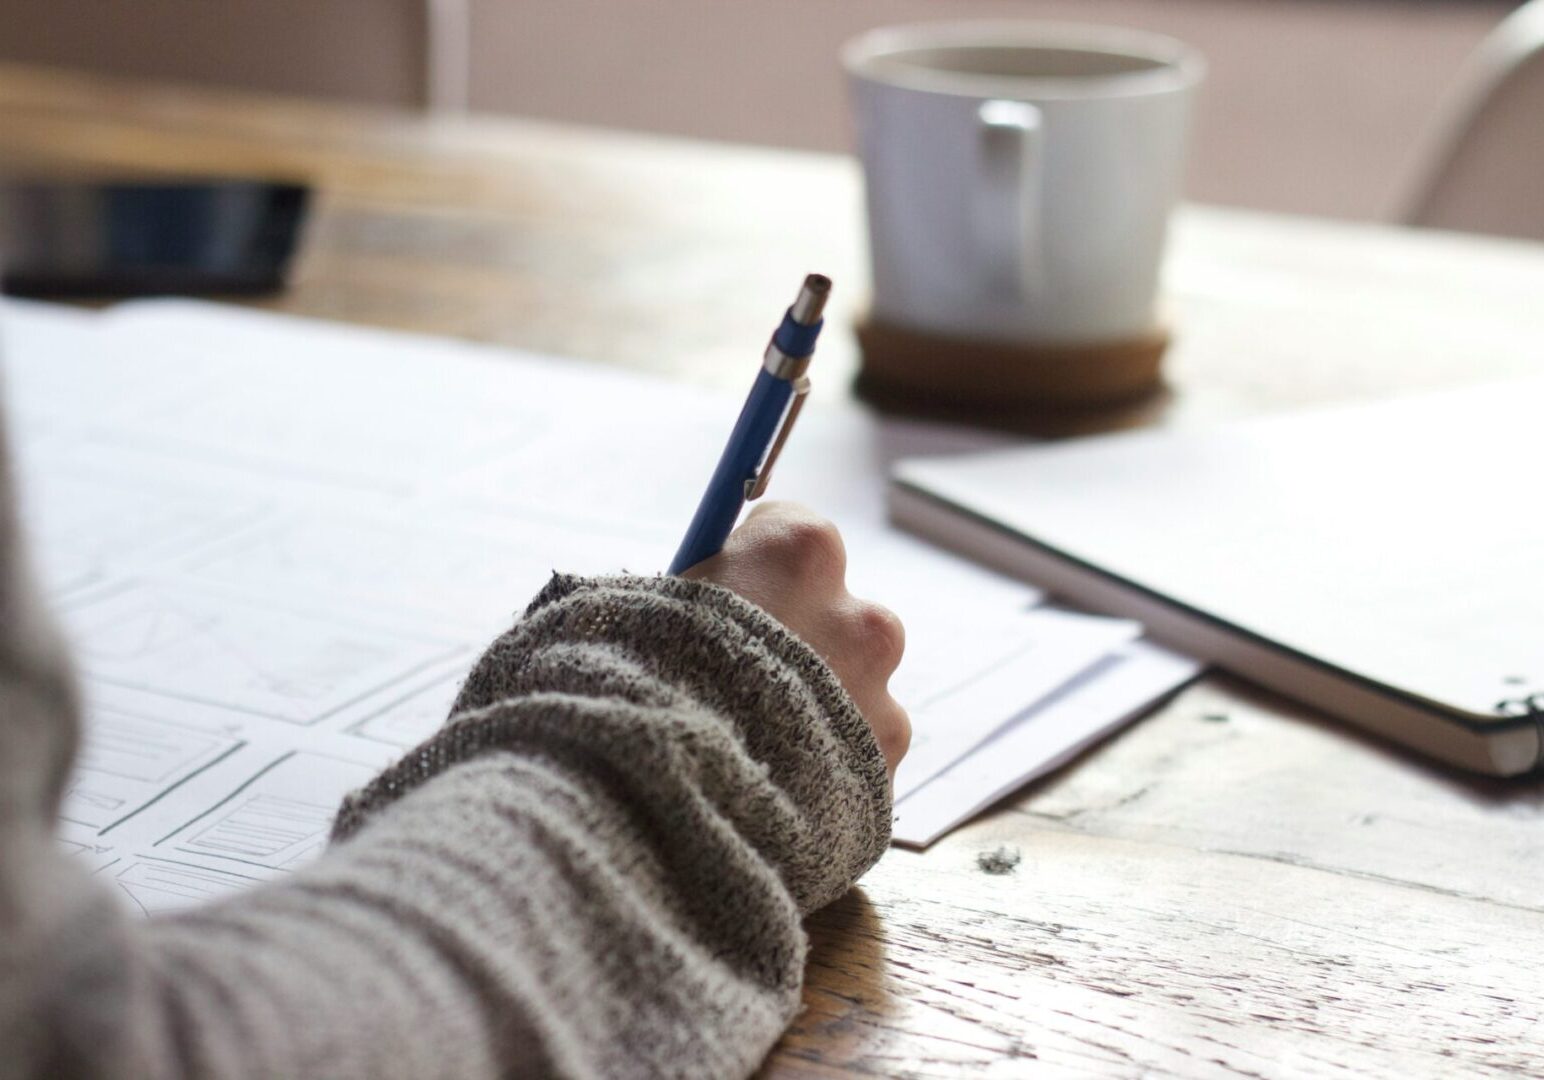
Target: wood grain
point(1233, 887)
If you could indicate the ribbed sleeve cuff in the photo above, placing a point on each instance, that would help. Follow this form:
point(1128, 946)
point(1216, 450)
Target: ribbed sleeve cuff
point(661, 646)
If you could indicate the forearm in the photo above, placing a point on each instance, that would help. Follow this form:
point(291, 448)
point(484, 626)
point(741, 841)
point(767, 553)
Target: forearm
point(500, 919)
point(598, 867)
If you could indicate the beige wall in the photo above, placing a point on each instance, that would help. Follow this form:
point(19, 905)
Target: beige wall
point(366, 50)
point(1312, 105)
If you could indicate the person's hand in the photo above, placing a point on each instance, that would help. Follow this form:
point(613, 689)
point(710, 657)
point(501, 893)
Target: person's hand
point(791, 563)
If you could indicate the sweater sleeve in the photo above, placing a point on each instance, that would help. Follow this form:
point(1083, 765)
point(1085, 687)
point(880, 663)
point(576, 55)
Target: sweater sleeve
point(598, 867)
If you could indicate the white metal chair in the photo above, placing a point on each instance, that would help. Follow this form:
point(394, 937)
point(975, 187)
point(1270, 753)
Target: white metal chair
point(1484, 167)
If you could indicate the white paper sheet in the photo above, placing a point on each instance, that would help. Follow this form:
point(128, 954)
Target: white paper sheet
point(277, 545)
point(1042, 739)
point(970, 677)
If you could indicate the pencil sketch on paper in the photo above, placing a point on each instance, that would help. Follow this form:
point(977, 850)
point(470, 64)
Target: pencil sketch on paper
point(158, 885)
point(284, 664)
point(126, 761)
point(277, 819)
point(409, 720)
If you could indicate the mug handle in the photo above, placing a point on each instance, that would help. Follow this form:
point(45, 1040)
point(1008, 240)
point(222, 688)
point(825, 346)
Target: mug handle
point(1007, 210)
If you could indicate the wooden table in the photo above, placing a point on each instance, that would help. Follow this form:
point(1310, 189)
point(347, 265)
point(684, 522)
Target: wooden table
point(1234, 887)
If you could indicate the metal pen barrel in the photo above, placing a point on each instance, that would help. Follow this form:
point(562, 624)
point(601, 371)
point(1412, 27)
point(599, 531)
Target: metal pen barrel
point(762, 428)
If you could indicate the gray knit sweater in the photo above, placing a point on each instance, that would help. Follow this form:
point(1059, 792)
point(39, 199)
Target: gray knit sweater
point(597, 868)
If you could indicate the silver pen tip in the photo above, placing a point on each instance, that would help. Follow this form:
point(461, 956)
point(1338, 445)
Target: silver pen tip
point(811, 301)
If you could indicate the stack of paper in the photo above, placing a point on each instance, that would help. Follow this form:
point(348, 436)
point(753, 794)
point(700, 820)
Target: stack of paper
point(277, 546)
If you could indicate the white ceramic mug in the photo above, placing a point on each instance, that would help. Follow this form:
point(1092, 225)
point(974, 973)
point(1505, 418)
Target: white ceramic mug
point(1020, 176)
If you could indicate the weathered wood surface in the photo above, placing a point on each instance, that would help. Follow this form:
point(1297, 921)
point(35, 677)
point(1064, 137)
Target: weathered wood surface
point(1258, 896)
point(1231, 888)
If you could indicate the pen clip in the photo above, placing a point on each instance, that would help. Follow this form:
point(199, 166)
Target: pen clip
point(756, 486)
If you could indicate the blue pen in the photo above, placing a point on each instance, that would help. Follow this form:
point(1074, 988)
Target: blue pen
point(774, 402)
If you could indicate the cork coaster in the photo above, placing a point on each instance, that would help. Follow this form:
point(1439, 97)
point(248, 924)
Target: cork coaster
point(916, 371)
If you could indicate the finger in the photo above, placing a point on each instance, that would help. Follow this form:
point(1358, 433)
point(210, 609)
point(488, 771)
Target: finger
point(778, 508)
point(795, 544)
point(891, 725)
point(874, 640)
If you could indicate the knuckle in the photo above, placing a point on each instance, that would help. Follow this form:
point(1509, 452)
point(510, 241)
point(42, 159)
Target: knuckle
point(882, 633)
point(893, 733)
point(812, 546)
